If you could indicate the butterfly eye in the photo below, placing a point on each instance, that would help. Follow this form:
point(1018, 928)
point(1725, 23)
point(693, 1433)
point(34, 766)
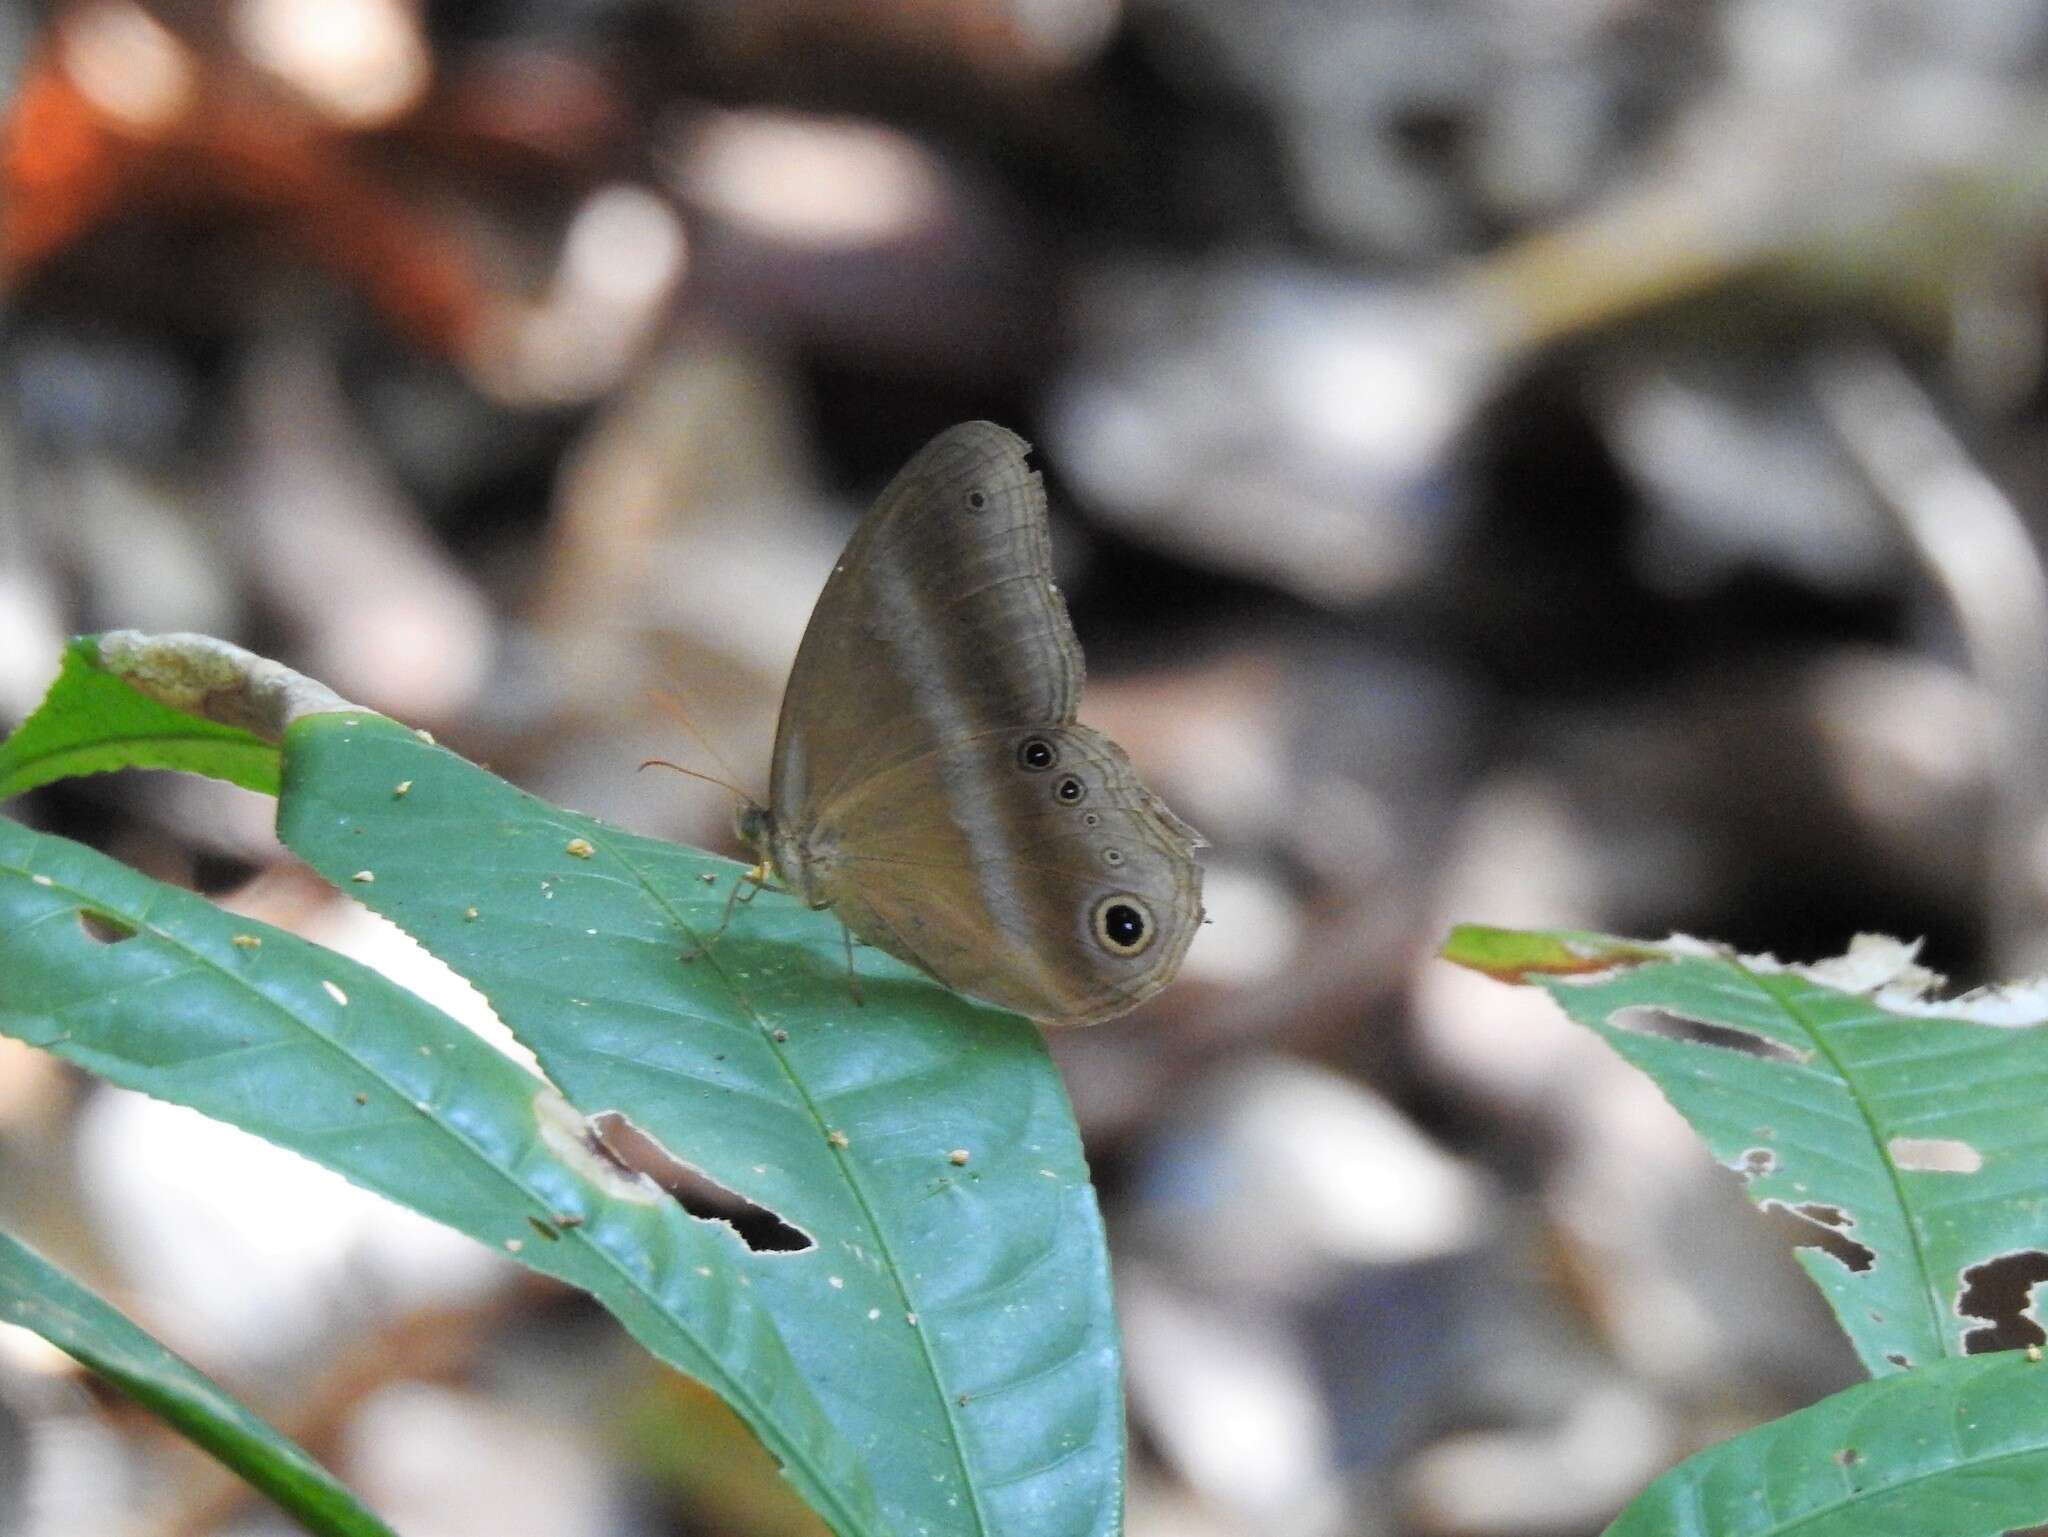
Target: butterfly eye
point(1069, 791)
point(1037, 754)
point(1091, 820)
point(976, 499)
point(1112, 857)
point(1122, 924)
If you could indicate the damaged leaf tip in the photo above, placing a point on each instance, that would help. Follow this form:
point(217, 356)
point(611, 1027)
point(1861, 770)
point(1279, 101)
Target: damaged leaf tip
point(215, 680)
point(1518, 955)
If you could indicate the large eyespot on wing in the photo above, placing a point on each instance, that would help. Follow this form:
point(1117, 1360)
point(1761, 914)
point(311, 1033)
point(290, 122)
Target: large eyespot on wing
point(1029, 868)
point(1122, 923)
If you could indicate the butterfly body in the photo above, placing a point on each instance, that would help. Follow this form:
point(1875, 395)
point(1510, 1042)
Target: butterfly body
point(930, 783)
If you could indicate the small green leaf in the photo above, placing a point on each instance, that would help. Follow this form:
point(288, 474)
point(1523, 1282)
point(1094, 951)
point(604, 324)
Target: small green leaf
point(38, 1296)
point(1907, 1135)
point(1951, 1449)
point(93, 721)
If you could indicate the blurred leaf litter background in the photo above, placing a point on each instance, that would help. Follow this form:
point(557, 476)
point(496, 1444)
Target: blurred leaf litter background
point(1566, 463)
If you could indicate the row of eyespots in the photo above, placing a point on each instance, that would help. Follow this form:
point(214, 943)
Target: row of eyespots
point(1035, 755)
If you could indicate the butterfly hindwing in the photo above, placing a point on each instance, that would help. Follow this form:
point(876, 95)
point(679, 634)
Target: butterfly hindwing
point(1052, 882)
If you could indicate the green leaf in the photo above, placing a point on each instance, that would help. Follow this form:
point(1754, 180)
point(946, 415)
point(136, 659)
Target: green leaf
point(1907, 1136)
point(159, 990)
point(92, 722)
point(37, 1295)
point(1952, 1449)
point(954, 1319)
point(941, 1358)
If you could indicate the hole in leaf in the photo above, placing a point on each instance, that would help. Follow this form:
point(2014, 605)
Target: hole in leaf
point(1641, 1019)
point(214, 874)
point(1903, 1362)
point(703, 1197)
point(1812, 1225)
point(1756, 1162)
point(104, 927)
point(2000, 1291)
point(1934, 1155)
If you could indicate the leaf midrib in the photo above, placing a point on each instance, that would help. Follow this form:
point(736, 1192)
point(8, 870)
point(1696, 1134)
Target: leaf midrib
point(883, 1244)
point(1860, 1098)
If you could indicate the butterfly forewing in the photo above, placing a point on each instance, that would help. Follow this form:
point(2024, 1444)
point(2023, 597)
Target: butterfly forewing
point(940, 620)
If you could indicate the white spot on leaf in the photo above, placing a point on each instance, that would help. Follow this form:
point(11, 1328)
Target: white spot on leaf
point(568, 1135)
point(1934, 1155)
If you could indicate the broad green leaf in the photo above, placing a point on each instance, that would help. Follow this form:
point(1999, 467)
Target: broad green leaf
point(954, 1319)
point(950, 1320)
point(159, 990)
point(93, 721)
point(1908, 1135)
point(38, 1296)
point(1951, 1449)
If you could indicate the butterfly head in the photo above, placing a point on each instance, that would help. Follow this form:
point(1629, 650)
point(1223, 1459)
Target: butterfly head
point(778, 857)
point(752, 823)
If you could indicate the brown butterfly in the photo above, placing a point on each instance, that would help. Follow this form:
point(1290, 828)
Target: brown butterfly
point(930, 784)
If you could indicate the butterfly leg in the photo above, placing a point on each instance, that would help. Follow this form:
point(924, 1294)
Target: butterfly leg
point(852, 976)
point(758, 877)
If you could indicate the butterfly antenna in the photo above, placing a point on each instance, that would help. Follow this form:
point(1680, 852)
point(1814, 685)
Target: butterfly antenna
point(671, 704)
point(710, 779)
